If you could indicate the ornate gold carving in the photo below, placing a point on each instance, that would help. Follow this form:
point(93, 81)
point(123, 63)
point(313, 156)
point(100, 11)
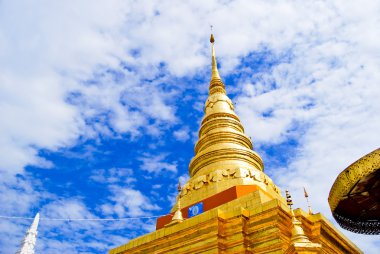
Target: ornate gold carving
point(217, 175)
point(200, 181)
point(347, 179)
point(241, 173)
point(186, 188)
point(223, 175)
point(266, 180)
point(255, 176)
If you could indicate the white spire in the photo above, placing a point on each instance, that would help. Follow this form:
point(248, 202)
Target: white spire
point(29, 241)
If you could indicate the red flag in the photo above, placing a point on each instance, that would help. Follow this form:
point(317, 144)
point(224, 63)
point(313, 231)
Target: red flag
point(306, 195)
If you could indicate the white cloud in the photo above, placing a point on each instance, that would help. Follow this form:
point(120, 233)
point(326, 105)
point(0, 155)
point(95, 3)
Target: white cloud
point(182, 134)
point(9, 242)
point(33, 115)
point(56, 50)
point(66, 208)
point(113, 175)
point(156, 186)
point(20, 194)
point(128, 202)
point(156, 163)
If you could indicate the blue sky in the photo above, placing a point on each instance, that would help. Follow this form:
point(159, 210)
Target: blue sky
point(101, 104)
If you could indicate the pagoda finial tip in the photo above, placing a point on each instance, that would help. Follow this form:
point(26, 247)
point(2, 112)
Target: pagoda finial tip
point(214, 68)
point(212, 39)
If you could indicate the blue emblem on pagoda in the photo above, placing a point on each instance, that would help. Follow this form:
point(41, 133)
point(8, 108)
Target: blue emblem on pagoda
point(195, 209)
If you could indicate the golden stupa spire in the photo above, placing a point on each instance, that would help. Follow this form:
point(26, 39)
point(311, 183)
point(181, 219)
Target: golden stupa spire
point(214, 65)
point(216, 84)
point(221, 135)
point(224, 155)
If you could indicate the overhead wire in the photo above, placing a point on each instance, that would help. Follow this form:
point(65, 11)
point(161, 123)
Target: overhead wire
point(81, 219)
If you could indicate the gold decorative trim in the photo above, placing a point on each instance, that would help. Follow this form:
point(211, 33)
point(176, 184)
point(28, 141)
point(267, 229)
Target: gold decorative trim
point(202, 160)
point(220, 123)
point(224, 175)
point(218, 89)
point(221, 115)
point(347, 179)
point(216, 82)
point(220, 137)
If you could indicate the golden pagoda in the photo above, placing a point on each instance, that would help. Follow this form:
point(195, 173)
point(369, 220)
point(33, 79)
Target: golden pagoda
point(229, 205)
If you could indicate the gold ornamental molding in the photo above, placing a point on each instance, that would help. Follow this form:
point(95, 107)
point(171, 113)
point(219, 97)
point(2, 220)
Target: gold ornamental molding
point(216, 138)
point(220, 116)
point(351, 175)
point(353, 198)
point(220, 175)
point(216, 123)
point(244, 155)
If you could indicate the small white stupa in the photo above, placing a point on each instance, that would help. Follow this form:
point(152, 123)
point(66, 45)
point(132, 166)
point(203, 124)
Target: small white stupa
point(29, 241)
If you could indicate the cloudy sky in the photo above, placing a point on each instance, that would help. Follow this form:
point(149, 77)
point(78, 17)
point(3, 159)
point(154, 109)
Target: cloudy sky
point(100, 104)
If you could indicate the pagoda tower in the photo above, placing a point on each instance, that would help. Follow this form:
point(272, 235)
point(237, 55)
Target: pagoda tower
point(229, 205)
point(29, 241)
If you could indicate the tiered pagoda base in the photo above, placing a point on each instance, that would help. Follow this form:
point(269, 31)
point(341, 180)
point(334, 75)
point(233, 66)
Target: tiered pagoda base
point(252, 223)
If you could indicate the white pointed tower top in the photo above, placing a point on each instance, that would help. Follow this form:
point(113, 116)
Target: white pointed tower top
point(34, 225)
point(29, 241)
